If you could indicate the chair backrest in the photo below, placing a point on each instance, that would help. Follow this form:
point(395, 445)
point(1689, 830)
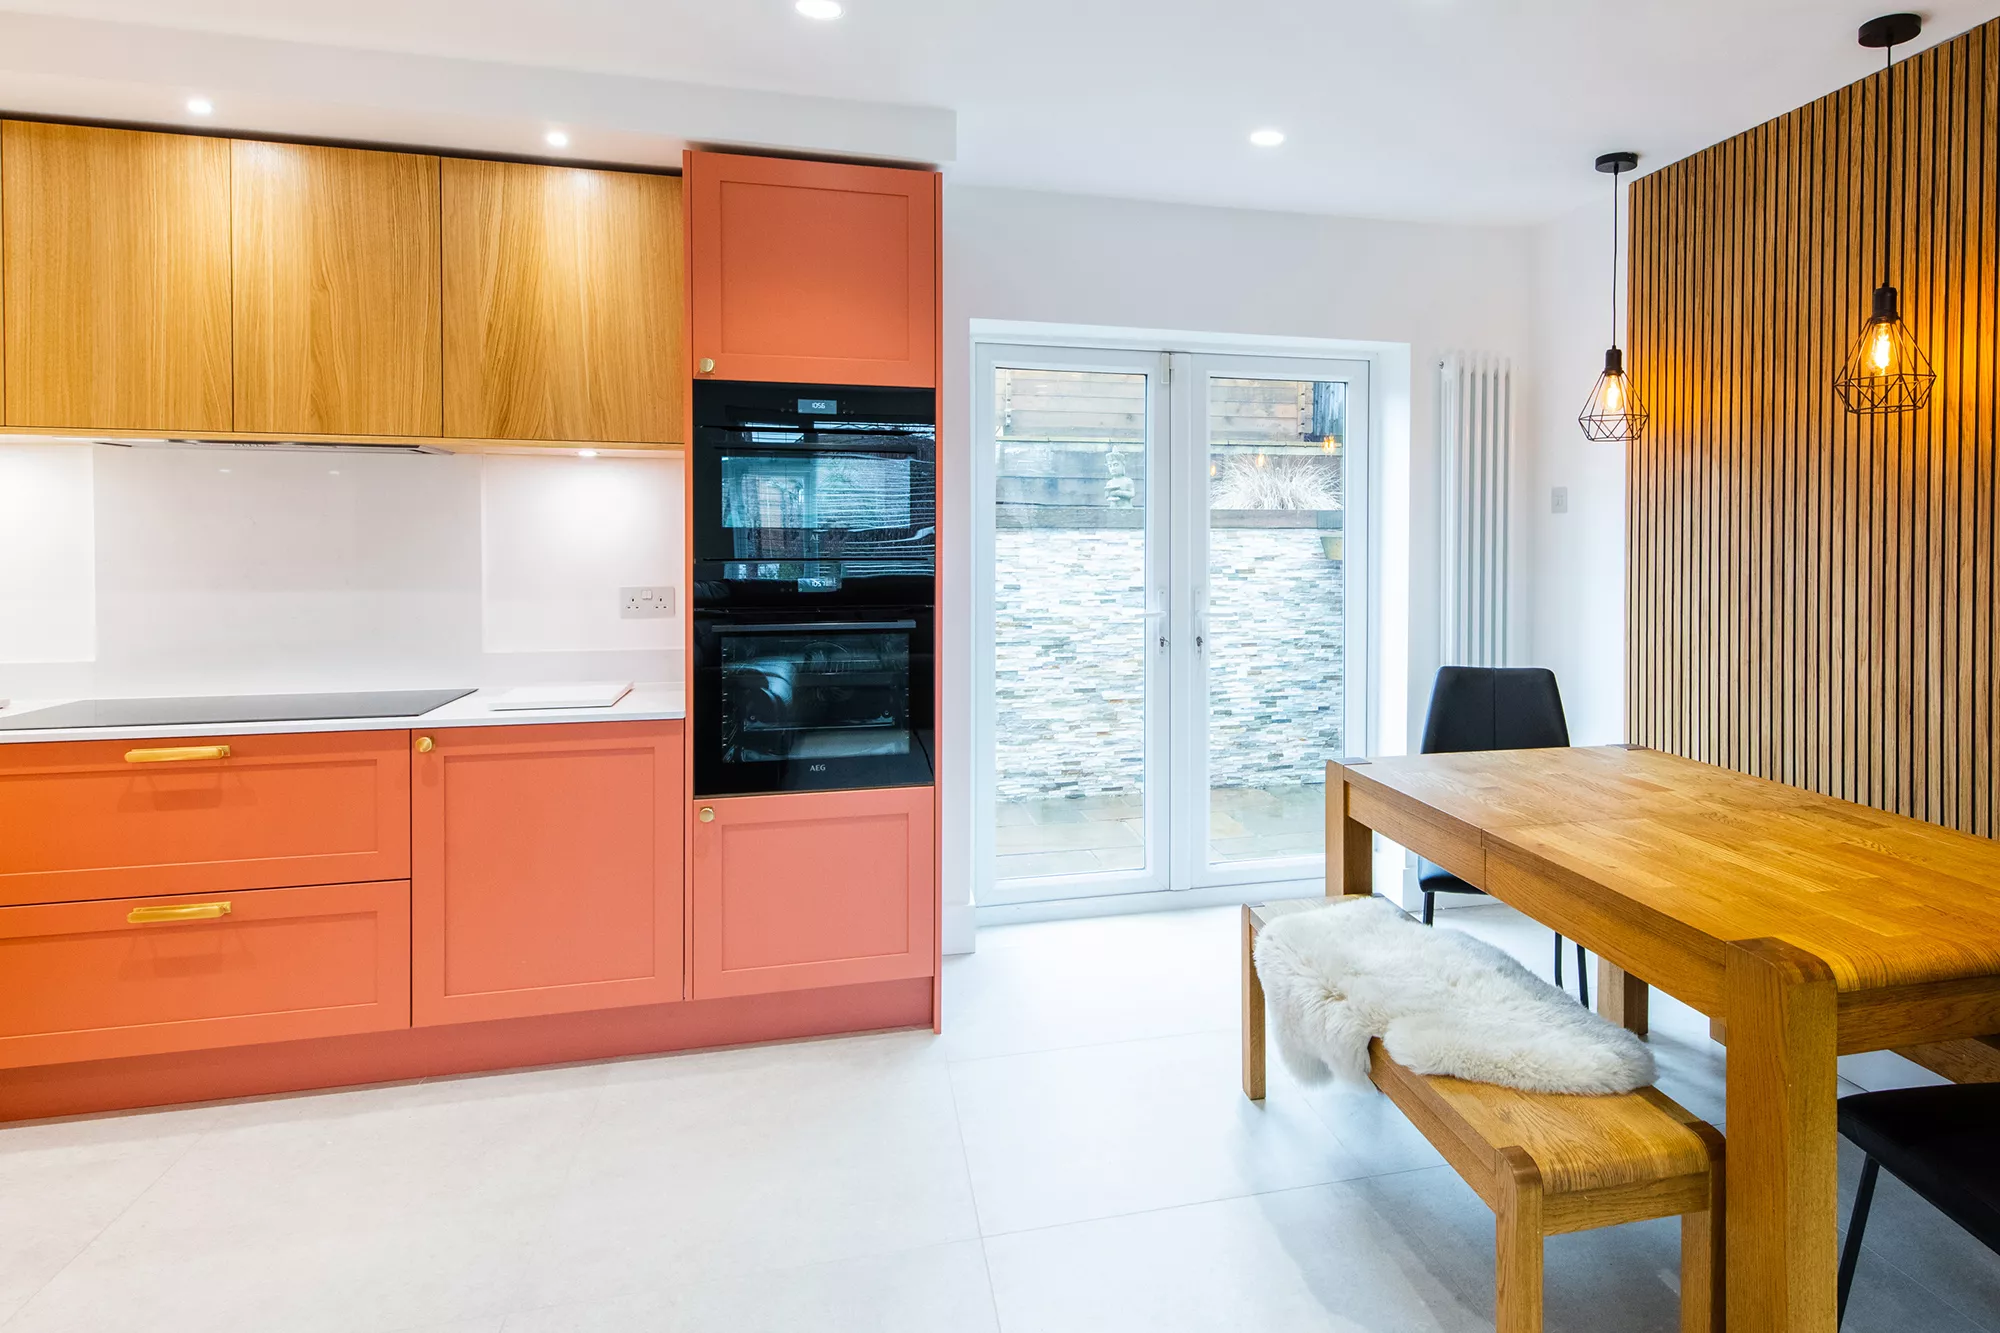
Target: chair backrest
point(1494, 708)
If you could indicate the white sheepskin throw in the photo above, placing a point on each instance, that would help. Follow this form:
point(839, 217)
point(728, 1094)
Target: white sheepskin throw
point(1441, 1001)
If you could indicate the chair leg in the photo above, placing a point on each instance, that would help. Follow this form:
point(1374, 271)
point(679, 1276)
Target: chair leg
point(1430, 903)
point(1559, 962)
point(1582, 977)
point(1850, 1255)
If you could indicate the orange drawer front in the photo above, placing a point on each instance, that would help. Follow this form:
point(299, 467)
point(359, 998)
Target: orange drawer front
point(121, 819)
point(92, 981)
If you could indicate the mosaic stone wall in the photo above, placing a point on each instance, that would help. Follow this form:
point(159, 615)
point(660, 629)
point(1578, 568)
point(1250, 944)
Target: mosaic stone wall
point(1069, 663)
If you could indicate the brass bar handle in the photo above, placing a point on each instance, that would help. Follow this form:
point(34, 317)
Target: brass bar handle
point(147, 916)
point(176, 754)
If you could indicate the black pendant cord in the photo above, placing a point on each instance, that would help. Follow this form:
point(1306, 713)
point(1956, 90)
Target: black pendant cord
point(1889, 210)
point(1614, 259)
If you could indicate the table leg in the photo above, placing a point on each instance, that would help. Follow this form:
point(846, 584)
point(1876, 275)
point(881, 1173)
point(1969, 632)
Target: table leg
point(1622, 997)
point(1782, 1214)
point(1253, 1015)
point(1350, 847)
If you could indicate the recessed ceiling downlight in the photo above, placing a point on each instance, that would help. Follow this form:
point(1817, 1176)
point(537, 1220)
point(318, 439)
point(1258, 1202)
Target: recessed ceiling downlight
point(1267, 138)
point(556, 139)
point(819, 9)
point(200, 106)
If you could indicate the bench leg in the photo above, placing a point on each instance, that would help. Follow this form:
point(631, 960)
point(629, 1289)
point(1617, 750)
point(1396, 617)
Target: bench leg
point(1517, 1233)
point(1704, 1299)
point(1253, 1015)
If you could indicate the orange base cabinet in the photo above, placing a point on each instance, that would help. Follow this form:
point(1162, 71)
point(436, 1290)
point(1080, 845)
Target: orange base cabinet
point(813, 889)
point(130, 819)
point(814, 272)
point(548, 869)
point(98, 980)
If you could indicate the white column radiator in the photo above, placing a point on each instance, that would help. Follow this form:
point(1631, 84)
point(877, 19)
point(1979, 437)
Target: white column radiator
point(1475, 462)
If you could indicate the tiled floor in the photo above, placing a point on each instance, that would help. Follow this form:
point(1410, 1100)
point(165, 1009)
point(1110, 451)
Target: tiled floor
point(1083, 835)
point(1073, 1154)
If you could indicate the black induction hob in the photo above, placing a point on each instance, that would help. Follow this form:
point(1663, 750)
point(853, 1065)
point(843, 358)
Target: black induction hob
point(213, 710)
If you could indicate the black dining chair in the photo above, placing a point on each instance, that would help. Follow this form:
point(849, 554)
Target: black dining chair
point(1944, 1143)
point(1493, 708)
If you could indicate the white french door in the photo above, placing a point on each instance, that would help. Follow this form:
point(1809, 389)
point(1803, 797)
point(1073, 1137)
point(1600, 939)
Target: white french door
point(1171, 603)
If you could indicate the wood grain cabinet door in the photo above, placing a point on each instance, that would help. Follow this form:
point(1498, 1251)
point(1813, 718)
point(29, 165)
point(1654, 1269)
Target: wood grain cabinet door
point(814, 889)
point(813, 272)
point(115, 245)
point(547, 869)
point(564, 304)
point(336, 291)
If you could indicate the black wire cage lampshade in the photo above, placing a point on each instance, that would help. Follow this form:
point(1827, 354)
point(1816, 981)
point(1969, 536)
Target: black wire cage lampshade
point(1887, 372)
point(1614, 413)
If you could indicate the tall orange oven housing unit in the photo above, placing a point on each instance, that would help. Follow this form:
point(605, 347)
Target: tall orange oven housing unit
point(813, 544)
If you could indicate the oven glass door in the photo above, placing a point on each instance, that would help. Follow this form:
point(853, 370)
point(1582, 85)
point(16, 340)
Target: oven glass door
point(763, 496)
point(784, 703)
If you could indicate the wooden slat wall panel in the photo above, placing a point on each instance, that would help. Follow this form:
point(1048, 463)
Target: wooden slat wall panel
point(1811, 595)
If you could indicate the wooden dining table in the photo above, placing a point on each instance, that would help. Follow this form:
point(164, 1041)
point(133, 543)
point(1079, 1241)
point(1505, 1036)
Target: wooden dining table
point(1809, 926)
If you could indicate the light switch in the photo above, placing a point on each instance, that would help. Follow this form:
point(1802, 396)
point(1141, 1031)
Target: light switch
point(1559, 500)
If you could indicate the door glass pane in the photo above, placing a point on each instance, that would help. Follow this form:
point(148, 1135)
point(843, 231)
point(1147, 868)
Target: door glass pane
point(1070, 634)
point(1275, 648)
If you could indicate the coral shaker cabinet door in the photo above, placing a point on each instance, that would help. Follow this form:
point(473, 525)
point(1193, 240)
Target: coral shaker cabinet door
point(816, 272)
point(815, 889)
point(547, 869)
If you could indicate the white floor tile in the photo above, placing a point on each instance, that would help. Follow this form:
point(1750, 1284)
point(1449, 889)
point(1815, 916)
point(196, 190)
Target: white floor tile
point(749, 1161)
point(1060, 1136)
point(941, 1289)
point(1073, 983)
point(1412, 1252)
point(375, 1209)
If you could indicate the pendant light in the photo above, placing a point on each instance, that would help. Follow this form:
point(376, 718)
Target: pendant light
point(1614, 414)
point(1887, 372)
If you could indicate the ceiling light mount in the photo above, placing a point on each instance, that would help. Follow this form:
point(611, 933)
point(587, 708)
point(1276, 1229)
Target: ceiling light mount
point(1891, 30)
point(1615, 164)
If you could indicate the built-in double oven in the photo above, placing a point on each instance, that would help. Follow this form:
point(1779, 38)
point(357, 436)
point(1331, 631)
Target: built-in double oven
point(814, 597)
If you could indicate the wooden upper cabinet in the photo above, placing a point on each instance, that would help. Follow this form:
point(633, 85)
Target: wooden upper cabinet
point(115, 246)
point(336, 291)
point(813, 272)
point(564, 297)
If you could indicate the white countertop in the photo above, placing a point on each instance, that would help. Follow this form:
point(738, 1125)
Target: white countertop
point(646, 703)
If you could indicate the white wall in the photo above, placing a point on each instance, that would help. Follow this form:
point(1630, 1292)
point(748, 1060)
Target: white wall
point(202, 571)
point(1024, 256)
point(1576, 582)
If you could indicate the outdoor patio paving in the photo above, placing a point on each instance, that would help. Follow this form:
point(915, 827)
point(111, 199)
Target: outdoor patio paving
point(1090, 834)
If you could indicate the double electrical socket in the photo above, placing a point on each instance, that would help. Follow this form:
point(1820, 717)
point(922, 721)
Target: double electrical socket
point(645, 603)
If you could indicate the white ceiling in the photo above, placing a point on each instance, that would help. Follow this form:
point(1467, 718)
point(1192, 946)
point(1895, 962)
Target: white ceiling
point(1465, 110)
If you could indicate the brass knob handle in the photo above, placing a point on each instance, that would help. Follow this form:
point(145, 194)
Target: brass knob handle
point(707, 815)
point(425, 745)
point(708, 365)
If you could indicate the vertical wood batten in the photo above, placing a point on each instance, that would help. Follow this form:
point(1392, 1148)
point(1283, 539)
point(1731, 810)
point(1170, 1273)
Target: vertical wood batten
point(1810, 595)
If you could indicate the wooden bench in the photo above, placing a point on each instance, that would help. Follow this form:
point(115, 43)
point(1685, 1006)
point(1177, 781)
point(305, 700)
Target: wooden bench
point(1546, 1164)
